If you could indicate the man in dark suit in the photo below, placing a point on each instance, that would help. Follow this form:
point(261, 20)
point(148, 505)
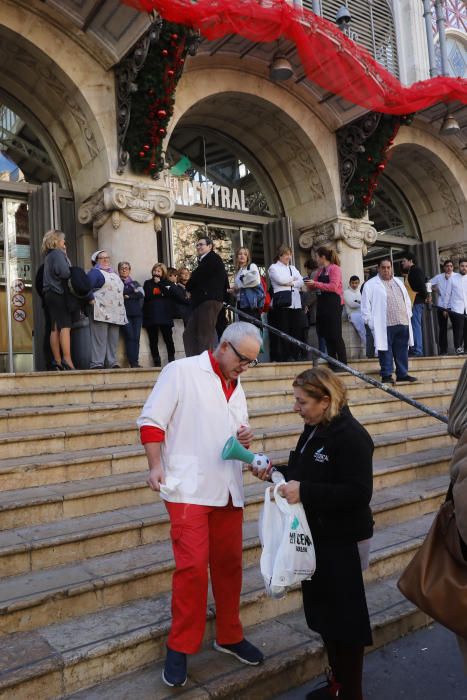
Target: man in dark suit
point(207, 286)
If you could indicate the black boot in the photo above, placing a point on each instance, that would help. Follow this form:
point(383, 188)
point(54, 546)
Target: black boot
point(157, 361)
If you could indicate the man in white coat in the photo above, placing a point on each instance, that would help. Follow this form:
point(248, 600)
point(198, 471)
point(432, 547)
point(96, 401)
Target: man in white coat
point(196, 404)
point(386, 309)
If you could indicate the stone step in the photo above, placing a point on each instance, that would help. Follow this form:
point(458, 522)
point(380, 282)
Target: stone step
point(58, 660)
point(84, 386)
point(293, 655)
point(57, 542)
point(272, 407)
point(40, 546)
point(29, 600)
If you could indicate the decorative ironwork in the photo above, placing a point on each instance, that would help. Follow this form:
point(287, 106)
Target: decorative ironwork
point(350, 143)
point(125, 74)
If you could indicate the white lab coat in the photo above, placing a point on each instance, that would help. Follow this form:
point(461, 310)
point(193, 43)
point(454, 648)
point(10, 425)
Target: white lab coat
point(374, 307)
point(189, 404)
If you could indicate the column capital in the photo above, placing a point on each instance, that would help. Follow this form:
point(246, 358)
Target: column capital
point(339, 232)
point(141, 202)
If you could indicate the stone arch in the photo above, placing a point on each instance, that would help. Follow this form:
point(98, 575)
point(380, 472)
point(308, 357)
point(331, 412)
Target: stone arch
point(434, 182)
point(55, 103)
point(292, 146)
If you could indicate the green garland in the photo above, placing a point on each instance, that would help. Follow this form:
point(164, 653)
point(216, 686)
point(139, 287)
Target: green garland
point(153, 104)
point(371, 164)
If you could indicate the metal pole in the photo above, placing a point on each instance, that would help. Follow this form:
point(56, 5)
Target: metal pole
point(316, 7)
point(341, 365)
point(441, 25)
point(429, 37)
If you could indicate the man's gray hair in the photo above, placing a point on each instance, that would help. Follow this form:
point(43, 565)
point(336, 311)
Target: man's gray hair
point(240, 330)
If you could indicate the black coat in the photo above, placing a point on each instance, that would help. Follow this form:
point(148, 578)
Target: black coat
point(335, 474)
point(158, 303)
point(336, 479)
point(416, 279)
point(209, 281)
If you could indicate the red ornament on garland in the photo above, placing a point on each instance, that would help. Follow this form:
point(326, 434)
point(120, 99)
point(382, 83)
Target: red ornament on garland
point(370, 159)
point(161, 113)
point(146, 147)
point(142, 154)
point(165, 52)
point(162, 131)
point(381, 167)
point(170, 73)
point(174, 37)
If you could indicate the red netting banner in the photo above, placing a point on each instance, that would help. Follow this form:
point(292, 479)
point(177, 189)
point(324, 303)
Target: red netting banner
point(330, 59)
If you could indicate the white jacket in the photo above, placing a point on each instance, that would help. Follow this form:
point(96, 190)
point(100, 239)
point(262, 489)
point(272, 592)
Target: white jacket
point(285, 277)
point(189, 404)
point(374, 305)
point(458, 298)
point(352, 301)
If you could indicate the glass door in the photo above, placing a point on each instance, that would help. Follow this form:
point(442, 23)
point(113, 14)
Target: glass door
point(16, 330)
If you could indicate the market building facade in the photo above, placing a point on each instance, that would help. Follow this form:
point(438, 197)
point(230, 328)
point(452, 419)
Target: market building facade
point(251, 159)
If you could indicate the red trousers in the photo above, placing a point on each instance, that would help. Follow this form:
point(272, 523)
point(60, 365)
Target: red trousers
point(202, 536)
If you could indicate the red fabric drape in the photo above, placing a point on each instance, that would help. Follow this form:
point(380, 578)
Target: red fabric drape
point(329, 58)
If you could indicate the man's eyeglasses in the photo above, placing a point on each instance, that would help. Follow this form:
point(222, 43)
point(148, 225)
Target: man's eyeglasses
point(200, 245)
point(244, 361)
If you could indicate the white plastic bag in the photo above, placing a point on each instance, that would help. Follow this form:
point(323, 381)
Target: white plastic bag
point(288, 555)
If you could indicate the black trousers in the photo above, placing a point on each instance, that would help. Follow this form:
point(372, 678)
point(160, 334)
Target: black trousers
point(288, 321)
point(153, 334)
point(442, 331)
point(459, 327)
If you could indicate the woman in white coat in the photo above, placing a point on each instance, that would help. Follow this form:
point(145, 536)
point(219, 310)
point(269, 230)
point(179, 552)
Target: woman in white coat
point(386, 309)
point(287, 313)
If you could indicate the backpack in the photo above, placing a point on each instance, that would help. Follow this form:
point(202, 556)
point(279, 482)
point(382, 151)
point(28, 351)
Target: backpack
point(78, 283)
point(267, 295)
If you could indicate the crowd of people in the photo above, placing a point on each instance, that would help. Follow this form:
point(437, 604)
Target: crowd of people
point(386, 313)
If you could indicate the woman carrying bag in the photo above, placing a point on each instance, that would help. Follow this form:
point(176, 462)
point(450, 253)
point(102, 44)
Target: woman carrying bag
point(330, 473)
point(328, 283)
point(247, 285)
point(287, 314)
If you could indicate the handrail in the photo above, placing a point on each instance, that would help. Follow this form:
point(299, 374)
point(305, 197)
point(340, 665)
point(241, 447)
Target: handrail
point(331, 360)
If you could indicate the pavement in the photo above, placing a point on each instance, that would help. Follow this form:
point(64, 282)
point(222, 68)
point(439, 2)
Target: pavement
point(425, 665)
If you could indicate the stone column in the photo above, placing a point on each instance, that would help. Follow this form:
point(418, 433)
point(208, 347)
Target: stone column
point(349, 237)
point(125, 218)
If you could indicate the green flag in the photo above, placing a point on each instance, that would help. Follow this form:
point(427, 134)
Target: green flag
point(181, 166)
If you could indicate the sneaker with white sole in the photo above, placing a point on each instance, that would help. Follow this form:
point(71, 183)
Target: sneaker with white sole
point(244, 651)
point(174, 674)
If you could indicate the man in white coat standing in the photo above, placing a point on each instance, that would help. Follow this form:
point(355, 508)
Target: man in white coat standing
point(386, 309)
point(196, 404)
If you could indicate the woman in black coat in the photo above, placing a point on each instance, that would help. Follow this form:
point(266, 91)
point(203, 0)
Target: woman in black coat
point(158, 312)
point(330, 473)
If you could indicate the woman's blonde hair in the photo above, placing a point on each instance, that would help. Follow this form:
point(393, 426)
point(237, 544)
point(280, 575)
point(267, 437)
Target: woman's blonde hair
point(248, 256)
point(162, 266)
point(328, 253)
point(51, 239)
point(320, 382)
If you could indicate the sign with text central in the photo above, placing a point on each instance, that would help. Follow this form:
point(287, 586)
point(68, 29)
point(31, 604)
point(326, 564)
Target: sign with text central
point(206, 194)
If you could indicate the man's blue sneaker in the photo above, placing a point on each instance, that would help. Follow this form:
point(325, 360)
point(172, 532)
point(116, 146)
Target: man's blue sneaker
point(174, 673)
point(244, 651)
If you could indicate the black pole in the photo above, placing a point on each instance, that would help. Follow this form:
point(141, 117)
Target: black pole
point(341, 365)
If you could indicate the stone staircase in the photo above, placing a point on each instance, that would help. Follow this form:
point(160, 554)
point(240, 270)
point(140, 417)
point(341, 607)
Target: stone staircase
point(85, 556)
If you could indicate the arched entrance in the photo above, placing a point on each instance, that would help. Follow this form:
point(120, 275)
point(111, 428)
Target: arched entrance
point(262, 159)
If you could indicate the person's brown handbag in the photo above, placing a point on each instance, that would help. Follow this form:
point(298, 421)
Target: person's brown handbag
point(436, 578)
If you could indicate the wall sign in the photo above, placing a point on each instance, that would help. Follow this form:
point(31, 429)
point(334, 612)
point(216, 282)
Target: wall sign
point(206, 194)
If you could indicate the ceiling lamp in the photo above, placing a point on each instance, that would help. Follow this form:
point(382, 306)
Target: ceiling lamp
point(280, 68)
point(449, 126)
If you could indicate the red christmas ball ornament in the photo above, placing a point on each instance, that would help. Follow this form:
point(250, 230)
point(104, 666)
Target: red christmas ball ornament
point(152, 165)
point(146, 147)
point(174, 37)
point(165, 52)
point(381, 167)
point(370, 159)
point(162, 131)
point(182, 61)
point(142, 154)
point(161, 113)
point(171, 73)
